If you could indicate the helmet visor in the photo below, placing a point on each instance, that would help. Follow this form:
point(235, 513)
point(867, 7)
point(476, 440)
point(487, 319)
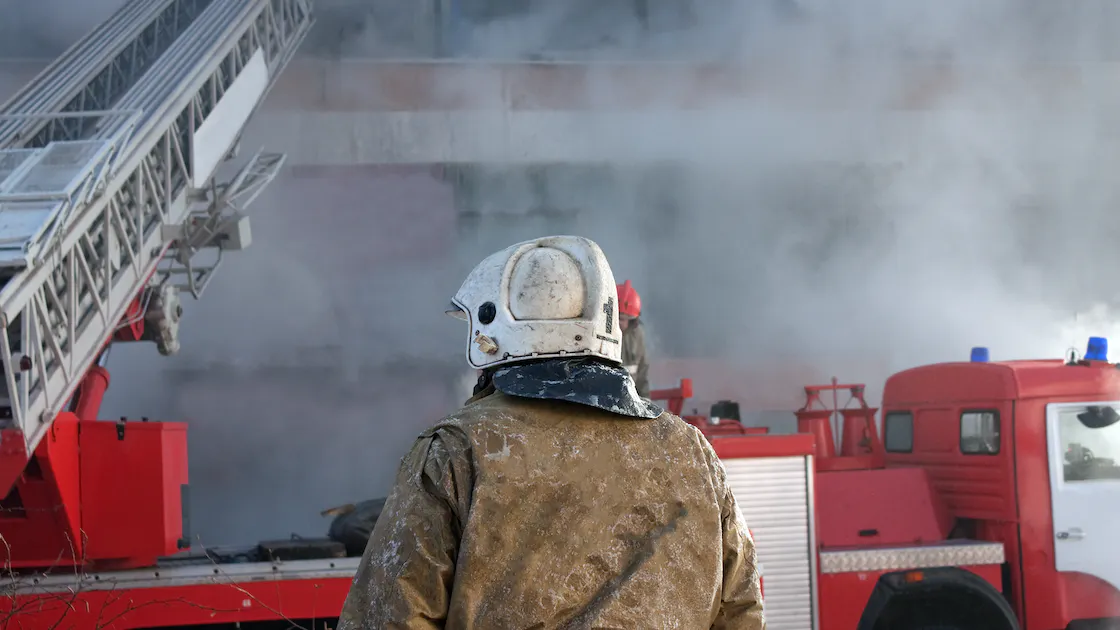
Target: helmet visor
point(456, 311)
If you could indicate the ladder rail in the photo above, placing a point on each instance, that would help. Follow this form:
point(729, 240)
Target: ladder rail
point(158, 94)
point(80, 59)
point(98, 70)
point(221, 27)
point(63, 310)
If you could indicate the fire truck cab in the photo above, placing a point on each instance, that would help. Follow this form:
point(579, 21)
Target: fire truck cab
point(1023, 453)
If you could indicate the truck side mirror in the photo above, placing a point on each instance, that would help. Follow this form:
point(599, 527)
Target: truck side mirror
point(1098, 417)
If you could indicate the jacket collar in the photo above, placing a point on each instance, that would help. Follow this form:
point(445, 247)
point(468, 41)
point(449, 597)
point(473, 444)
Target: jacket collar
point(583, 381)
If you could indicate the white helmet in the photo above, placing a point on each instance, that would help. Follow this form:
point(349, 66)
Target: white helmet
point(548, 297)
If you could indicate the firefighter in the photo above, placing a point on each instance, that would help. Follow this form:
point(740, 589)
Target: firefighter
point(557, 497)
point(633, 337)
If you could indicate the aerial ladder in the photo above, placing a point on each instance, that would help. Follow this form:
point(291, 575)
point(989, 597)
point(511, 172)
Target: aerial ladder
point(107, 198)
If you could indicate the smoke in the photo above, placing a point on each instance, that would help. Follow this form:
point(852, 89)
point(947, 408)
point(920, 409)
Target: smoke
point(846, 234)
point(909, 180)
point(312, 361)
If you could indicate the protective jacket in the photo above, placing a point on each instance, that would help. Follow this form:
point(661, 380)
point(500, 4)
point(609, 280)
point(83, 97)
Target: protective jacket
point(634, 356)
point(542, 504)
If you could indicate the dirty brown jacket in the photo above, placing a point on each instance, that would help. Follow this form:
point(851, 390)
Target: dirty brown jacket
point(536, 514)
point(634, 356)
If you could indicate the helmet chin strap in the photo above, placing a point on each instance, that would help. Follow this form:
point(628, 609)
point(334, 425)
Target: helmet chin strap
point(484, 381)
point(584, 381)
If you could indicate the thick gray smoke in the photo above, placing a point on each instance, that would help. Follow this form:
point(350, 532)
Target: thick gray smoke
point(819, 229)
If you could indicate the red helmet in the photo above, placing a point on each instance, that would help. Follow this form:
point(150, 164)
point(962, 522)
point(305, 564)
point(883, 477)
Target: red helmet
point(629, 302)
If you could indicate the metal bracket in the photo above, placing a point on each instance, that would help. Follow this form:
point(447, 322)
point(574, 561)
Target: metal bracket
point(222, 225)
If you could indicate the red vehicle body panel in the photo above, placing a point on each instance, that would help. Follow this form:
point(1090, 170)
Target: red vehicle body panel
point(843, 596)
point(158, 607)
point(92, 497)
point(900, 505)
point(1008, 494)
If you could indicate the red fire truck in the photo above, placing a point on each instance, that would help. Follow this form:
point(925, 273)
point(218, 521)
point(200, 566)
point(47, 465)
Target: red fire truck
point(981, 507)
point(985, 504)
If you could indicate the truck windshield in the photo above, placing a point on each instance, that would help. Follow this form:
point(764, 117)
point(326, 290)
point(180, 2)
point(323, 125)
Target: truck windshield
point(1090, 438)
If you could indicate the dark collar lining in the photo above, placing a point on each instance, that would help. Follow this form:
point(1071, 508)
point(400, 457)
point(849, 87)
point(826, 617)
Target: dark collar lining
point(583, 381)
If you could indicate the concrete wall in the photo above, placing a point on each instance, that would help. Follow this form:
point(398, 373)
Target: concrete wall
point(364, 112)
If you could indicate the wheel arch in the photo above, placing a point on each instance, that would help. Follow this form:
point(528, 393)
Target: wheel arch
point(901, 589)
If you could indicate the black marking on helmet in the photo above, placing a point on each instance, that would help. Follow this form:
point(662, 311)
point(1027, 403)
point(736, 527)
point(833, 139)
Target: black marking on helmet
point(610, 339)
point(487, 312)
point(608, 310)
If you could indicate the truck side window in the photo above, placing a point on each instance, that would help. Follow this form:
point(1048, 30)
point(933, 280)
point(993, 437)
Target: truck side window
point(980, 432)
point(898, 432)
point(1090, 439)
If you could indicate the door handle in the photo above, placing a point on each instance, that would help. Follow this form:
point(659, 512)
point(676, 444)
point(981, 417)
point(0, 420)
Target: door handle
point(1073, 533)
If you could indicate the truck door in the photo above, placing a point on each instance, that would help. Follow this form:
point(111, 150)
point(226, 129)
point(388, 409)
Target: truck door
point(1084, 448)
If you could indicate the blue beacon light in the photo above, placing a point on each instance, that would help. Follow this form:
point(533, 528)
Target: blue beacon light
point(1097, 349)
point(979, 355)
